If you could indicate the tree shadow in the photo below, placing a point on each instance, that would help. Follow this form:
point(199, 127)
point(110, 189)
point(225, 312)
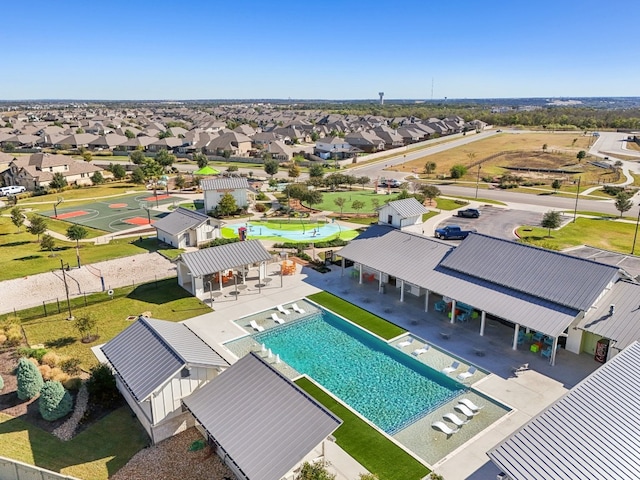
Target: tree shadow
point(162, 291)
point(60, 342)
point(16, 244)
point(29, 257)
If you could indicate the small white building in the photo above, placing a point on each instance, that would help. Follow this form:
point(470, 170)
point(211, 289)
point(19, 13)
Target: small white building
point(187, 228)
point(215, 188)
point(401, 213)
point(156, 364)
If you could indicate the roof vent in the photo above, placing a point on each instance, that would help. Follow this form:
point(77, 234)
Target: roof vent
point(612, 308)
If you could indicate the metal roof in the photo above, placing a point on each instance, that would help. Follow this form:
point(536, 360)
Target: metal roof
point(224, 257)
point(416, 259)
point(263, 421)
point(554, 276)
point(180, 220)
point(407, 207)
point(144, 358)
point(224, 183)
point(591, 432)
point(623, 326)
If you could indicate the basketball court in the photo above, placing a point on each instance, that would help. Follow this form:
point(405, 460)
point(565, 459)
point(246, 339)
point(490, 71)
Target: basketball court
point(114, 215)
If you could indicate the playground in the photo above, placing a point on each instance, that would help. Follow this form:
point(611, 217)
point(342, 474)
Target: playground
point(113, 214)
point(292, 231)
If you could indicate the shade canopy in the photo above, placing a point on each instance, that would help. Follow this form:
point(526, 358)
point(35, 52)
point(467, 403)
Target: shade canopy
point(206, 170)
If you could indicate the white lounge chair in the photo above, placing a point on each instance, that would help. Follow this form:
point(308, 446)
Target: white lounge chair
point(452, 417)
point(296, 308)
point(451, 368)
point(276, 318)
point(464, 410)
point(469, 373)
point(255, 326)
point(420, 351)
point(443, 427)
point(281, 309)
point(472, 406)
point(406, 343)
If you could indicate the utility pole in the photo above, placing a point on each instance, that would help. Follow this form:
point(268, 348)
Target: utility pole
point(478, 181)
point(575, 210)
point(635, 235)
point(66, 289)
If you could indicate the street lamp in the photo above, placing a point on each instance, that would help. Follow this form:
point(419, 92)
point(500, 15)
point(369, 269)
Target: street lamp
point(478, 181)
point(635, 235)
point(66, 288)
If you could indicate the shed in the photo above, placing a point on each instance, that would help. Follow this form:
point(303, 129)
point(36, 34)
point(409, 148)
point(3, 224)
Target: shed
point(187, 228)
point(401, 213)
point(215, 188)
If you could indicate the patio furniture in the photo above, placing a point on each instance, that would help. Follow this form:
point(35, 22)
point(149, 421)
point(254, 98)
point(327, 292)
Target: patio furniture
point(468, 403)
point(276, 318)
point(548, 341)
point(420, 351)
point(469, 373)
point(547, 351)
point(444, 428)
point(452, 417)
point(451, 368)
point(406, 343)
point(462, 408)
point(440, 306)
point(255, 326)
point(538, 336)
point(534, 348)
point(283, 310)
point(296, 308)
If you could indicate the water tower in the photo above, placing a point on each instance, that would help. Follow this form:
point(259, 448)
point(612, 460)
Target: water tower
point(381, 97)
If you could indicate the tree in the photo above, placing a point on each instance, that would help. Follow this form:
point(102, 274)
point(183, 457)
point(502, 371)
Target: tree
point(129, 134)
point(77, 233)
point(227, 205)
point(16, 217)
point(87, 157)
point(85, 325)
point(581, 154)
point(623, 202)
point(430, 167)
point(165, 134)
point(58, 181)
point(340, 203)
point(180, 181)
point(316, 171)
point(550, 220)
point(97, 178)
point(29, 379)
point(137, 157)
point(544, 147)
point(458, 171)
point(137, 176)
point(375, 203)
point(363, 181)
point(117, 170)
point(312, 197)
point(47, 242)
point(314, 471)
point(102, 386)
point(431, 192)
point(271, 167)
point(201, 159)
point(350, 180)
point(556, 184)
point(54, 402)
point(164, 158)
point(294, 171)
point(357, 205)
point(38, 225)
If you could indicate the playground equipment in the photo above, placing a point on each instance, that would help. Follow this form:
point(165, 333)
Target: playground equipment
point(288, 267)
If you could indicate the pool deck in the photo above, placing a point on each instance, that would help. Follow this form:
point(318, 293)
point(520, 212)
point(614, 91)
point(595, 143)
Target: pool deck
point(527, 393)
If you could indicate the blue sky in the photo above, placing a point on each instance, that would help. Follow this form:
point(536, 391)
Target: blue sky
point(317, 50)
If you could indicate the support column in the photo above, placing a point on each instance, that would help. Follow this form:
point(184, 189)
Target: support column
point(379, 281)
point(515, 336)
point(552, 359)
point(402, 290)
point(220, 280)
point(360, 274)
point(453, 311)
point(483, 319)
point(426, 301)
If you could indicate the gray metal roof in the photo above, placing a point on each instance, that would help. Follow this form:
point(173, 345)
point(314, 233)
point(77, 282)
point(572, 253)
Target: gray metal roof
point(224, 257)
point(180, 220)
point(623, 326)
point(263, 421)
point(554, 276)
point(415, 259)
point(591, 432)
point(145, 359)
point(408, 207)
point(224, 183)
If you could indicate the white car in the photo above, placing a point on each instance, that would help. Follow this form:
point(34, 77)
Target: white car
point(11, 190)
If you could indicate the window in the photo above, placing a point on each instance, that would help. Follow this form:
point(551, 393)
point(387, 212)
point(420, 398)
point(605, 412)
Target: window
point(390, 219)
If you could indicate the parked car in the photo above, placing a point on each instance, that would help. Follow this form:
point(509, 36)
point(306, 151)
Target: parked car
point(11, 190)
point(469, 213)
point(453, 232)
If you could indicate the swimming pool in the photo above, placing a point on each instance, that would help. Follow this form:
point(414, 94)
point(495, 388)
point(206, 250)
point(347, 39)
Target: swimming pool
point(386, 386)
point(313, 232)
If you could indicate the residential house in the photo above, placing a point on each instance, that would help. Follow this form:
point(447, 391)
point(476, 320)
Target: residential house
point(366, 141)
point(236, 143)
point(334, 148)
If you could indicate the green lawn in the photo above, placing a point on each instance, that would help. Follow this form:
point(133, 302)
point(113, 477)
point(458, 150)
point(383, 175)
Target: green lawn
point(483, 200)
point(164, 299)
point(60, 226)
point(449, 204)
point(351, 196)
point(367, 320)
point(364, 443)
point(95, 454)
point(85, 193)
point(21, 254)
point(596, 232)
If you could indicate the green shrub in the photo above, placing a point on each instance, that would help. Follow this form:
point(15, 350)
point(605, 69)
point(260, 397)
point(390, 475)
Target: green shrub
point(260, 207)
point(14, 335)
point(219, 241)
point(36, 353)
point(29, 379)
point(54, 402)
point(71, 365)
point(102, 386)
point(72, 384)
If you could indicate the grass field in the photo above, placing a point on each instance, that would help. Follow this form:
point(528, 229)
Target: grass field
point(599, 232)
point(96, 454)
point(365, 444)
point(366, 196)
point(166, 301)
point(85, 193)
point(633, 146)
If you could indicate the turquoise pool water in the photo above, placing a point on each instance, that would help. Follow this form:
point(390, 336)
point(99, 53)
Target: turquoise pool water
point(314, 232)
point(383, 384)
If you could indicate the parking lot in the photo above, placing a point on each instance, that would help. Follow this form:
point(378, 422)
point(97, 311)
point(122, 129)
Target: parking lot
point(497, 222)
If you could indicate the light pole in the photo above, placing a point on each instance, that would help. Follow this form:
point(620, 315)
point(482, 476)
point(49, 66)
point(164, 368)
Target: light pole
point(635, 235)
point(66, 289)
point(575, 210)
point(478, 181)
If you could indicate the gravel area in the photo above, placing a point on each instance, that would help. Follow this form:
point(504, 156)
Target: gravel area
point(171, 458)
point(30, 291)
